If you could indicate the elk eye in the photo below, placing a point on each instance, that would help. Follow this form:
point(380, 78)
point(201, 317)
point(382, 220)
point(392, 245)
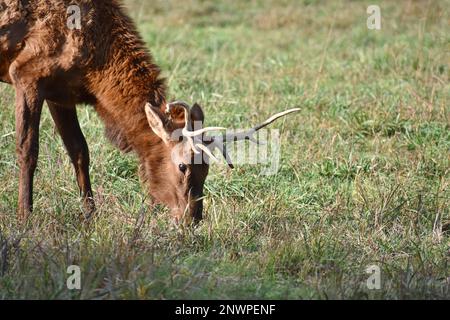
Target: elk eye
point(182, 167)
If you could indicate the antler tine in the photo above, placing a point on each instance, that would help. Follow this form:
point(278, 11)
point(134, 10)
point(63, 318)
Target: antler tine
point(275, 117)
point(219, 145)
point(248, 134)
point(202, 131)
point(206, 150)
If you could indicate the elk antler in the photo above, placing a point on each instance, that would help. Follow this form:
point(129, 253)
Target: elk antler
point(219, 141)
point(248, 134)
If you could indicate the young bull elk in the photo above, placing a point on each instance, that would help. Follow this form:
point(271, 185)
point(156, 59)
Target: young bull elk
point(104, 64)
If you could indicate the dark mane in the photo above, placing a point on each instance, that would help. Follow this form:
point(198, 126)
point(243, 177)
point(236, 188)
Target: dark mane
point(126, 79)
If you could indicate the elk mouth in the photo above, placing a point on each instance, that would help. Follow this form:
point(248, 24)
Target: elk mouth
point(189, 211)
point(197, 211)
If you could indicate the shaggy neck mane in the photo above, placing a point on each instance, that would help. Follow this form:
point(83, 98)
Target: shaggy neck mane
point(125, 82)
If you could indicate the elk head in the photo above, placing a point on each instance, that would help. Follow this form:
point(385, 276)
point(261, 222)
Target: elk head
point(178, 178)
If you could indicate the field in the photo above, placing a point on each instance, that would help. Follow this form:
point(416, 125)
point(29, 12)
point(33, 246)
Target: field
point(363, 179)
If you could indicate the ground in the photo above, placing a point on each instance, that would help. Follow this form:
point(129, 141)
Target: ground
point(363, 179)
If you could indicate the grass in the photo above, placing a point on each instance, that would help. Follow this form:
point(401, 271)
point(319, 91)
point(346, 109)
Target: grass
point(363, 180)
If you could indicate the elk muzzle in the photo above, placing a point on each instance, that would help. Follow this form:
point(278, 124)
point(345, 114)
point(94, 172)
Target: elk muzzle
point(189, 210)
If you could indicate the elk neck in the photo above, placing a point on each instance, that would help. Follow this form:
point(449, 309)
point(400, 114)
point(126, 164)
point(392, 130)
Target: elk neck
point(125, 81)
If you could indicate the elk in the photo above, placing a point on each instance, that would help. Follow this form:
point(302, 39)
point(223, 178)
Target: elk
point(104, 64)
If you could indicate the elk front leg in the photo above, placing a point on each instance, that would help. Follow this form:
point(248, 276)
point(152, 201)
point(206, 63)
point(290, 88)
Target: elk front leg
point(28, 114)
point(67, 124)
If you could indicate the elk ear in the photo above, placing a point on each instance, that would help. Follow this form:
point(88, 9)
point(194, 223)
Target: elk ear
point(197, 113)
point(156, 123)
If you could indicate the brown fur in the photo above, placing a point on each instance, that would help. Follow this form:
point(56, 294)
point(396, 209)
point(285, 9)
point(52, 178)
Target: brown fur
point(104, 64)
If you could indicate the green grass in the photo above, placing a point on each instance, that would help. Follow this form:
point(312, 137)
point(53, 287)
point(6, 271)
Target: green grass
point(364, 176)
